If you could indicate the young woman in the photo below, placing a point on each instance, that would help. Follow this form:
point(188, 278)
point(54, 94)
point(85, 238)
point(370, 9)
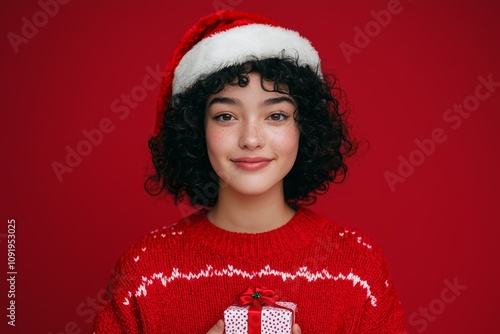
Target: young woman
point(250, 130)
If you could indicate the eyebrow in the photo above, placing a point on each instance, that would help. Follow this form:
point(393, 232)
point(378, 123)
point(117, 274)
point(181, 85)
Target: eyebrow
point(225, 100)
point(267, 102)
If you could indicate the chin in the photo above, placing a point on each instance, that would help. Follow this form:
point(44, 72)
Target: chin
point(253, 188)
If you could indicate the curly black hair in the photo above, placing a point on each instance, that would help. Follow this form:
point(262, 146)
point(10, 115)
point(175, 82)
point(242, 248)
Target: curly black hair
point(179, 150)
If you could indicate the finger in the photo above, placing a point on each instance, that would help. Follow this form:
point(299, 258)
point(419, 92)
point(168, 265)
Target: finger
point(218, 328)
point(296, 329)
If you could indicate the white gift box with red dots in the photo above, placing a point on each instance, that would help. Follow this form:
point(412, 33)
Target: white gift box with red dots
point(274, 320)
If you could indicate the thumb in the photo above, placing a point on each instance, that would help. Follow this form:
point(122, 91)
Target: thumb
point(296, 329)
point(218, 328)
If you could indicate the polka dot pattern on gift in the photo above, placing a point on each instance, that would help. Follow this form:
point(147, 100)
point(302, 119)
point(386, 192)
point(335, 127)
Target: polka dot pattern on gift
point(274, 320)
point(277, 320)
point(236, 319)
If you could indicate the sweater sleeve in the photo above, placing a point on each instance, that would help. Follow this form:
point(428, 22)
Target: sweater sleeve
point(118, 313)
point(387, 316)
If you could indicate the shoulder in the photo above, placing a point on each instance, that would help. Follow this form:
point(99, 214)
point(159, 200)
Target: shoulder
point(354, 254)
point(348, 242)
point(148, 256)
point(146, 251)
point(350, 235)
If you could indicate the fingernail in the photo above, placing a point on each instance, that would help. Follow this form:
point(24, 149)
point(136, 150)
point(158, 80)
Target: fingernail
point(298, 329)
point(219, 324)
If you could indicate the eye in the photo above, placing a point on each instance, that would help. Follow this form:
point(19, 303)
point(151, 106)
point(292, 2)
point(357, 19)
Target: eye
point(224, 117)
point(278, 117)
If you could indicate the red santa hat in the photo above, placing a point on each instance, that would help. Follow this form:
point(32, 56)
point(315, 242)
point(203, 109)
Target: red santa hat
point(224, 39)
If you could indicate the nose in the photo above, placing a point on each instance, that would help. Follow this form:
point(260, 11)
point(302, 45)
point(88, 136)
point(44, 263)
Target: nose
point(251, 135)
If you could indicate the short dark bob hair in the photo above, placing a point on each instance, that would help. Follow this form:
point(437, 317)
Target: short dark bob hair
point(179, 151)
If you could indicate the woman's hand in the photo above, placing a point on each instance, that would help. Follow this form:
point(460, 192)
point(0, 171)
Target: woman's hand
point(219, 328)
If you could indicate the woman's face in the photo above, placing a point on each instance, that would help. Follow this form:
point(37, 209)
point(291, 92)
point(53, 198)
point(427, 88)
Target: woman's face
point(252, 137)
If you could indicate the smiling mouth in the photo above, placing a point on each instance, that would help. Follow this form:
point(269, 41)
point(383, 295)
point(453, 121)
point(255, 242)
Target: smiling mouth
point(251, 164)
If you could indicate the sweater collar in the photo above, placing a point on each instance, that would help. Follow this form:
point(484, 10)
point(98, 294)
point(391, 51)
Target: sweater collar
point(298, 232)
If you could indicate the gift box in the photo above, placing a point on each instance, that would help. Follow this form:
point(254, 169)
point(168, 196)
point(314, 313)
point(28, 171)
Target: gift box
point(258, 311)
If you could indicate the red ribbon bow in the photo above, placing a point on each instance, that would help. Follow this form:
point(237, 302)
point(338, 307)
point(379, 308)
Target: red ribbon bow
point(257, 298)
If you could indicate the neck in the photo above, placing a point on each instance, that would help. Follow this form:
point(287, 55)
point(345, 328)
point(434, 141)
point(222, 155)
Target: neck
point(238, 212)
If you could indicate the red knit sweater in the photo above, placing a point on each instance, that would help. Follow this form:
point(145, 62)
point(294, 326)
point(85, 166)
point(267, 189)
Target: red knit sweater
point(181, 278)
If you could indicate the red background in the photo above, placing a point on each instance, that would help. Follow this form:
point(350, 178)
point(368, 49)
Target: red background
point(440, 224)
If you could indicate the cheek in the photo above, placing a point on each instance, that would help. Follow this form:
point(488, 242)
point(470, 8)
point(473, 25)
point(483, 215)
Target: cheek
point(216, 143)
point(287, 141)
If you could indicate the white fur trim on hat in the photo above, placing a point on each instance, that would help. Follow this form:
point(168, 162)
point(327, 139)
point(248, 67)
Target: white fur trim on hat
point(238, 45)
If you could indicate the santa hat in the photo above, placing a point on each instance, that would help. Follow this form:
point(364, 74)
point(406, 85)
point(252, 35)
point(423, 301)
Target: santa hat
point(224, 39)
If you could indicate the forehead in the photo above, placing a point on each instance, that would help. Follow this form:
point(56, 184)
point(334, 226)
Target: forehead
point(256, 85)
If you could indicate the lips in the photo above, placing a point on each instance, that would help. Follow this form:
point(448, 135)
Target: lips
point(251, 163)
